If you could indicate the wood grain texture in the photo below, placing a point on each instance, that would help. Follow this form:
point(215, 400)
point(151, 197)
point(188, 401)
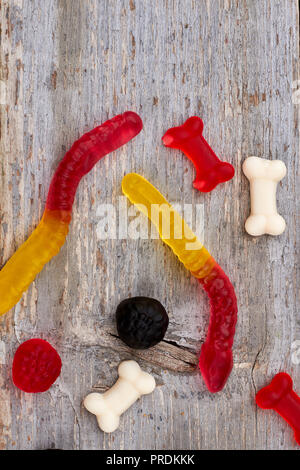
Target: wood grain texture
point(68, 65)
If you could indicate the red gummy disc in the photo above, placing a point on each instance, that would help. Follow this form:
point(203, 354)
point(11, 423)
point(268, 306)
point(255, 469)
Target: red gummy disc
point(36, 366)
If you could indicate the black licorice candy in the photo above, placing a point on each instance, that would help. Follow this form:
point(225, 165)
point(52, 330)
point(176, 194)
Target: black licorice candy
point(141, 322)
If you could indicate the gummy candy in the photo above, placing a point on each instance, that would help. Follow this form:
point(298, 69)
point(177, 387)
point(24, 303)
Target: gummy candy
point(130, 386)
point(36, 366)
point(216, 353)
point(49, 236)
point(141, 322)
point(264, 176)
point(210, 170)
point(280, 396)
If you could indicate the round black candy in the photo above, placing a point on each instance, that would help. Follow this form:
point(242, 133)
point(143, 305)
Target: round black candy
point(141, 322)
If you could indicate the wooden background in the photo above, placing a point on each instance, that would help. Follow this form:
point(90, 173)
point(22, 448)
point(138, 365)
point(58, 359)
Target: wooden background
point(67, 66)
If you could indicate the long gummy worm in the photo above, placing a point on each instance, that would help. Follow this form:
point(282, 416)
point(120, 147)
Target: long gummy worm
point(215, 360)
point(50, 234)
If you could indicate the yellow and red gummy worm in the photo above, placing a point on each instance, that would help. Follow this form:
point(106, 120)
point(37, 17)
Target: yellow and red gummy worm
point(215, 360)
point(50, 234)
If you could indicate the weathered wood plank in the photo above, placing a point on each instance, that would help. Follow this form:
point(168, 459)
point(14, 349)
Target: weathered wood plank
point(67, 65)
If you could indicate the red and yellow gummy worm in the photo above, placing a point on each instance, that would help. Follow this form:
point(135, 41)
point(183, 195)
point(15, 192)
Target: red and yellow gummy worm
point(50, 234)
point(215, 360)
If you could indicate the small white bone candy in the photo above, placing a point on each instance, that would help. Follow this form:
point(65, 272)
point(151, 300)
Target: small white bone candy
point(263, 176)
point(131, 385)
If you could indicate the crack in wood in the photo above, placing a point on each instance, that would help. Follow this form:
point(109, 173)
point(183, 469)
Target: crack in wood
point(167, 355)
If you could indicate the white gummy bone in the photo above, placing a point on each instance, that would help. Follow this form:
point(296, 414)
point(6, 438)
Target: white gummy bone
point(131, 385)
point(263, 176)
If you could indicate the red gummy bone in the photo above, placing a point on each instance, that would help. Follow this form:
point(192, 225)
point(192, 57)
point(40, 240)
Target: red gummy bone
point(210, 170)
point(280, 396)
point(36, 366)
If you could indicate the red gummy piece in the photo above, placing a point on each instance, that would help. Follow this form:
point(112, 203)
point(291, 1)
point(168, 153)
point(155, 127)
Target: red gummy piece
point(85, 153)
point(216, 360)
point(280, 397)
point(210, 170)
point(36, 366)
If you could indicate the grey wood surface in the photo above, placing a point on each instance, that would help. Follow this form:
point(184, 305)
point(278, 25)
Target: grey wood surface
point(68, 65)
